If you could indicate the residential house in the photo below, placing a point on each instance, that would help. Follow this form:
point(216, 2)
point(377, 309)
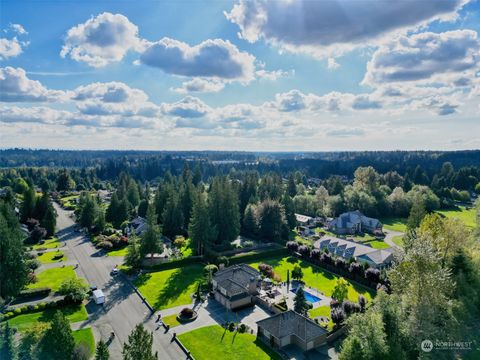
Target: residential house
point(291, 328)
point(137, 226)
point(236, 286)
point(355, 222)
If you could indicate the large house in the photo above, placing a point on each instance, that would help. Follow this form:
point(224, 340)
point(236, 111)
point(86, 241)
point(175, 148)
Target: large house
point(236, 286)
point(137, 226)
point(355, 222)
point(290, 327)
point(378, 258)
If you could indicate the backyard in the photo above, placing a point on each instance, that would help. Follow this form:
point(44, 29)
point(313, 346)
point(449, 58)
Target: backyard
point(213, 342)
point(23, 322)
point(394, 224)
point(168, 288)
point(53, 278)
point(323, 311)
point(468, 216)
point(85, 336)
point(50, 243)
point(314, 276)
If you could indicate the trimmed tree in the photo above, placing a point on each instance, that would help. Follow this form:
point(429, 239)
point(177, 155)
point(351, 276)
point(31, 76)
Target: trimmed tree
point(102, 352)
point(139, 345)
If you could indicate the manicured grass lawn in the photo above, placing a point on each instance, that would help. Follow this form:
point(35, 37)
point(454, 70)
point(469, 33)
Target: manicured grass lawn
point(315, 277)
point(85, 336)
point(48, 257)
point(377, 244)
point(171, 320)
point(23, 322)
point(322, 311)
point(53, 278)
point(119, 252)
point(394, 223)
point(212, 342)
point(168, 288)
point(51, 243)
point(467, 216)
point(398, 240)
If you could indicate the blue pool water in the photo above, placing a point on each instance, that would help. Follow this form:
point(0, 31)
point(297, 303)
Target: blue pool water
point(308, 296)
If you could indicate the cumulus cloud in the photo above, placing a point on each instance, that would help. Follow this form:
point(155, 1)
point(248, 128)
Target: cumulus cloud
point(101, 40)
point(426, 57)
point(188, 107)
point(114, 98)
point(332, 64)
point(9, 48)
point(17, 87)
point(199, 85)
point(217, 58)
point(323, 28)
point(345, 132)
point(19, 29)
point(39, 114)
point(273, 75)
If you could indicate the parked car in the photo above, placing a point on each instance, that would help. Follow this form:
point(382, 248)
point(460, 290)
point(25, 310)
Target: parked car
point(114, 271)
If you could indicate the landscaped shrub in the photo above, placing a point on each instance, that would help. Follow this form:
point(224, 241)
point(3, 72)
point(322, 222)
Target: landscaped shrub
point(242, 328)
point(32, 278)
point(107, 245)
point(337, 314)
point(210, 269)
point(340, 263)
point(372, 274)
point(58, 256)
point(33, 264)
point(17, 311)
point(315, 254)
point(362, 302)
point(292, 246)
point(266, 270)
point(326, 258)
point(355, 268)
point(304, 250)
point(350, 307)
point(231, 326)
point(187, 313)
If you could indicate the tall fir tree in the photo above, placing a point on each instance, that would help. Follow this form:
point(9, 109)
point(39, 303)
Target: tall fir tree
point(139, 345)
point(101, 352)
point(173, 216)
point(29, 203)
point(150, 241)
point(58, 342)
point(201, 231)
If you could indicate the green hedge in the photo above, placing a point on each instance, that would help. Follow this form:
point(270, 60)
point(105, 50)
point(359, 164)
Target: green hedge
point(174, 263)
point(256, 255)
point(44, 291)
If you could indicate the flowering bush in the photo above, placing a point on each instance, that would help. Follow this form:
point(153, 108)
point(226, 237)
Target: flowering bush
point(292, 245)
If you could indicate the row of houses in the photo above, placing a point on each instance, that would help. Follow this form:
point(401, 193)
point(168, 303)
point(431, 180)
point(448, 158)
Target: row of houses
point(237, 286)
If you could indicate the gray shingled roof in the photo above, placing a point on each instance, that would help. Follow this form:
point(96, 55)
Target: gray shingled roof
point(235, 279)
point(292, 323)
point(378, 257)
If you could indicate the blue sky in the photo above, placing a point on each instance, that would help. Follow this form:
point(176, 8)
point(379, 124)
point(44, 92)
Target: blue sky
point(235, 75)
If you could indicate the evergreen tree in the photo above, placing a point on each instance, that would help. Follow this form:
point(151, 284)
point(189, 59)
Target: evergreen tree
point(133, 195)
point(197, 175)
point(300, 304)
point(112, 210)
point(133, 257)
point(102, 352)
point(64, 181)
point(291, 186)
point(289, 208)
point(186, 200)
point(58, 342)
point(122, 214)
point(271, 220)
point(173, 217)
point(49, 220)
point(201, 231)
point(139, 345)
point(27, 209)
point(142, 208)
point(8, 347)
point(100, 221)
point(88, 212)
point(150, 241)
point(13, 267)
point(250, 222)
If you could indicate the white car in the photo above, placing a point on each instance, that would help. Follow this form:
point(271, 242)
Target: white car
point(114, 271)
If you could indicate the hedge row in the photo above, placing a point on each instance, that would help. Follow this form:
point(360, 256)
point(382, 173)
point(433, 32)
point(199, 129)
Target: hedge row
point(257, 255)
point(29, 293)
point(36, 308)
point(175, 263)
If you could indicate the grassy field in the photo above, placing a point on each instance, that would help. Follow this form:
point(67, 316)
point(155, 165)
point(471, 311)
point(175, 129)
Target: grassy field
point(23, 322)
point(85, 336)
point(315, 277)
point(467, 216)
point(168, 288)
point(171, 320)
point(323, 311)
point(53, 278)
point(51, 243)
point(394, 223)
point(48, 257)
point(119, 252)
point(212, 342)
point(370, 240)
point(398, 240)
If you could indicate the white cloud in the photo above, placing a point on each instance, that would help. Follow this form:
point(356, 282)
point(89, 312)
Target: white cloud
point(101, 40)
point(19, 29)
point(273, 75)
point(332, 64)
point(449, 57)
point(188, 107)
point(9, 48)
point(17, 87)
point(326, 28)
point(199, 85)
point(217, 59)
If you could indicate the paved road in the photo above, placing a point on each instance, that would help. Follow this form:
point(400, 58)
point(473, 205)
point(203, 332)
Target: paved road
point(389, 235)
point(123, 308)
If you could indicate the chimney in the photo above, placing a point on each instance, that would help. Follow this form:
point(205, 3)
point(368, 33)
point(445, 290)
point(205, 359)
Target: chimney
point(252, 285)
point(221, 266)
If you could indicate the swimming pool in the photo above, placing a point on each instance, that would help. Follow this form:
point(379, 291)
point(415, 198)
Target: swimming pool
point(308, 296)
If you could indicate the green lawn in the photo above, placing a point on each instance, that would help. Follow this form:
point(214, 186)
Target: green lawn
point(51, 243)
point(119, 252)
point(213, 342)
point(47, 257)
point(377, 244)
point(323, 311)
point(315, 277)
point(168, 288)
point(171, 320)
point(23, 322)
point(85, 336)
point(467, 216)
point(394, 223)
point(53, 278)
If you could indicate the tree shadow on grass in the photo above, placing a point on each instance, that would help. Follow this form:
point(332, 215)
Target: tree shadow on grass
point(178, 282)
